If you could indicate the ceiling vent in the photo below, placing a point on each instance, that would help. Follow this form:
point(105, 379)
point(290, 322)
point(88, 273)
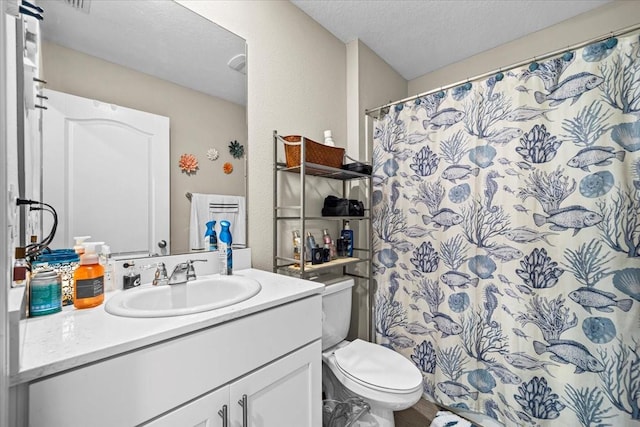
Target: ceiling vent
point(82, 5)
point(239, 63)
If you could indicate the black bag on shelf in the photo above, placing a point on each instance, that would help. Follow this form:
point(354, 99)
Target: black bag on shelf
point(335, 206)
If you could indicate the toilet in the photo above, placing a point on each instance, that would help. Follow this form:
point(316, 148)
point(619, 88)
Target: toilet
point(384, 379)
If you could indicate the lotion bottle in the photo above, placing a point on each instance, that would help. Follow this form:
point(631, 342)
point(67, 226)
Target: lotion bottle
point(88, 290)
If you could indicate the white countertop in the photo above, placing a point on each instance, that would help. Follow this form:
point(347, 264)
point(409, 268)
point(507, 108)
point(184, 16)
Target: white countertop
point(54, 343)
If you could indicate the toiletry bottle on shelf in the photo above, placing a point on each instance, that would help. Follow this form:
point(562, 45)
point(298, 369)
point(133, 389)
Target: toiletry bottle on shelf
point(347, 235)
point(328, 139)
point(326, 238)
point(89, 277)
point(210, 237)
point(311, 244)
point(333, 253)
point(20, 268)
point(296, 244)
point(225, 251)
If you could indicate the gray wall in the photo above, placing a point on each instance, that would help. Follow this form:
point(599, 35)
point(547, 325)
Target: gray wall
point(296, 85)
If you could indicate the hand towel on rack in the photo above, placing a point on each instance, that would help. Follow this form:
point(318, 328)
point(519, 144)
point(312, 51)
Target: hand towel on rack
point(216, 207)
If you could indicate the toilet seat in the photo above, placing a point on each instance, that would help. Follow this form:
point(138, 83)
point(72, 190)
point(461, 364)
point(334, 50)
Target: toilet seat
point(377, 367)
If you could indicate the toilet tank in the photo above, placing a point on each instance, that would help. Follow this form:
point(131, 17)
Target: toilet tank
point(336, 311)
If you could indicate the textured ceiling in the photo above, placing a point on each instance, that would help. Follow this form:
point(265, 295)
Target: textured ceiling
point(164, 39)
point(160, 38)
point(417, 37)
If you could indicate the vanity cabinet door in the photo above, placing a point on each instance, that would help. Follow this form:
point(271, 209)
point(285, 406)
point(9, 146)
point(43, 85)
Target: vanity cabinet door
point(285, 393)
point(202, 412)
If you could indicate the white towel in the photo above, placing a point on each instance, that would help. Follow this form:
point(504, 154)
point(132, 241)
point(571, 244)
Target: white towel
point(216, 207)
point(449, 419)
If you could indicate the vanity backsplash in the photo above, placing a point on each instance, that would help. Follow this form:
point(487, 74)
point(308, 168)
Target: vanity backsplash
point(146, 267)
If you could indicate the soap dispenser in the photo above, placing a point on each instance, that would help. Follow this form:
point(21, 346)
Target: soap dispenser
point(89, 279)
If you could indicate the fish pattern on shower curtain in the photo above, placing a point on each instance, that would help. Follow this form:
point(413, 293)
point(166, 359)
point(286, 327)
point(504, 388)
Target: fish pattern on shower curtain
point(506, 220)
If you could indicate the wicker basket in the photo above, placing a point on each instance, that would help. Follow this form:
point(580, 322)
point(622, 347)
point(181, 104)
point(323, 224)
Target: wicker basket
point(315, 152)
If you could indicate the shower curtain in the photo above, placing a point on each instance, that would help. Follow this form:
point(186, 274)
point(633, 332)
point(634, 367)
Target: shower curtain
point(506, 217)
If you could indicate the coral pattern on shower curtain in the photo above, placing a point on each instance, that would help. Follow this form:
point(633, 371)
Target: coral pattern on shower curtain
point(506, 219)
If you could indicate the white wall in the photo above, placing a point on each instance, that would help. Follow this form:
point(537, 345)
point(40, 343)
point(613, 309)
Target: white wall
point(597, 22)
point(296, 84)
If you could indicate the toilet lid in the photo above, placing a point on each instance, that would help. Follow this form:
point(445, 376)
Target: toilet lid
point(378, 366)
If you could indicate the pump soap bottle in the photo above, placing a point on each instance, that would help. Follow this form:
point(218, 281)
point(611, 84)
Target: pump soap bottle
point(78, 247)
point(89, 279)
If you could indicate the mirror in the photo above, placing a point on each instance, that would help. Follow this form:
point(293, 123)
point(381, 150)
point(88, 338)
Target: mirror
point(162, 58)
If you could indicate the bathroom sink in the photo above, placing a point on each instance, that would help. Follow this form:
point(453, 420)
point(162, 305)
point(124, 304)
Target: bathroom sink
point(195, 296)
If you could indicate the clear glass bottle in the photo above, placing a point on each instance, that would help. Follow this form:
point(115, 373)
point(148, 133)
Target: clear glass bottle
point(296, 244)
point(20, 268)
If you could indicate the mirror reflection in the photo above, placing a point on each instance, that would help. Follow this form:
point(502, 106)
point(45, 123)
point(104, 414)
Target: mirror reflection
point(152, 57)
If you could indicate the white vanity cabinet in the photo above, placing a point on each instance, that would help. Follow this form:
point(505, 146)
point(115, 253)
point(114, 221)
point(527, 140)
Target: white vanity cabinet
point(280, 394)
point(273, 357)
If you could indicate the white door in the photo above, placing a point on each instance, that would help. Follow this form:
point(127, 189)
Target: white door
point(285, 393)
point(106, 172)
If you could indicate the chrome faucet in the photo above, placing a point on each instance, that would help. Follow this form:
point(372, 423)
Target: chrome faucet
point(184, 272)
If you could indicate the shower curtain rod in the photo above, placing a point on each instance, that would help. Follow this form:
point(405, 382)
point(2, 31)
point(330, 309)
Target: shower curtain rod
point(603, 37)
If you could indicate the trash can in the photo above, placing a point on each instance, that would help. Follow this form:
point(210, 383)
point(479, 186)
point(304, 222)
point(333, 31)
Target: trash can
point(343, 414)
